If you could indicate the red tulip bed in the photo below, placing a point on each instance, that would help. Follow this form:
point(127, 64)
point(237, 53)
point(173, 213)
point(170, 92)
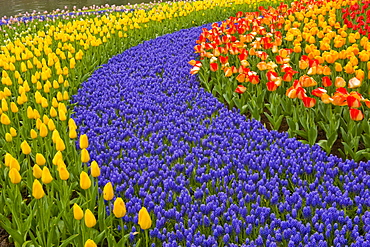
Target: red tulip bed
point(306, 66)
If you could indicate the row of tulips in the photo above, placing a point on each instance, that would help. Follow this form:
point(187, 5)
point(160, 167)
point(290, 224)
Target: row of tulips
point(45, 174)
point(305, 52)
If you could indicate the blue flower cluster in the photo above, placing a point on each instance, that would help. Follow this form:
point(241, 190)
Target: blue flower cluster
point(208, 176)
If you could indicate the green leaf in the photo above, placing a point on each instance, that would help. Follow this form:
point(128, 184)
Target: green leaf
point(100, 237)
point(302, 134)
point(123, 240)
point(6, 224)
point(312, 134)
point(68, 240)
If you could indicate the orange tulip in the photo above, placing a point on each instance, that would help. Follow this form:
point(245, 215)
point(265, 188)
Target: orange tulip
point(339, 82)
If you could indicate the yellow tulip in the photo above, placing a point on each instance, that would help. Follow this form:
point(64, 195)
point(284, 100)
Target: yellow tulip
point(72, 133)
point(30, 113)
point(26, 149)
point(33, 134)
point(84, 141)
point(8, 137)
point(60, 146)
point(90, 220)
point(7, 159)
point(13, 107)
point(72, 123)
point(46, 177)
point(36, 171)
point(4, 119)
point(13, 132)
point(85, 156)
point(119, 208)
point(144, 220)
point(14, 164)
point(90, 243)
point(4, 105)
point(43, 130)
point(57, 157)
point(63, 172)
point(14, 176)
point(95, 170)
point(40, 159)
point(85, 181)
point(108, 192)
point(37, 190)
point(53, 112)
point(78, 214)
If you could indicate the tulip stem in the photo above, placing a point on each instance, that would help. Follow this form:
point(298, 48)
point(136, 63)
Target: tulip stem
point(147, 237)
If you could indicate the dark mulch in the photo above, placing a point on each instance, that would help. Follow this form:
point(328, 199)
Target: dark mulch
point(4, 241)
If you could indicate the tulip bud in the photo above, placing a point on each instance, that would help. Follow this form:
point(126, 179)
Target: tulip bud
point(53, 112)
point(108, 192)
point(40, 159)
point(57, 156)
point(78, 214)
point(60, 144)
point(14, 176)
point(144, 219)
point(85, 181)
point(33, 134)
point(85, 156)
point(63, 172)
point(4, 119)
point(26, 149)
point(43, 130)
point(46, 177)
point(14, 164)
point(37, 190)
point(90, 243)
point(84, 141)
point(51, 125)
point(36, 171)
point(72, 133)
point(95, 170)
point(8, 137)
point(90, 220)
point(119, 208)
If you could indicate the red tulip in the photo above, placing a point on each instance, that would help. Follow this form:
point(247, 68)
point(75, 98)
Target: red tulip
point(308, 102)
point(254, 79)
point(353, 102)
point(223, 60)
point(318, 92)
point(272, 76)
point(326, 82)
point(356, 114)
point(271, 86)
point(214, 67)
point(288, 76)
point(240, 89)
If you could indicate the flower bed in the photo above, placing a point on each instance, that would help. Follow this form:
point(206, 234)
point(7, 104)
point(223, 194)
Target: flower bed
point(158, 161)
point(305, 52)
point(208, 176)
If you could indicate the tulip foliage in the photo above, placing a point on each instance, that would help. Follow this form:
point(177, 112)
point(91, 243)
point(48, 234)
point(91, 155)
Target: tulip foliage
point(305, 65)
